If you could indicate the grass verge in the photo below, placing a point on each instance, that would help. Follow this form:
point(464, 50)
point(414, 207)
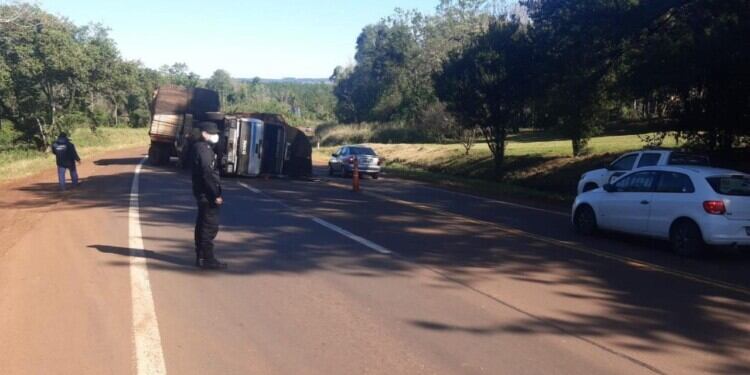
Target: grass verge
point(477, 186)
point(15, 164)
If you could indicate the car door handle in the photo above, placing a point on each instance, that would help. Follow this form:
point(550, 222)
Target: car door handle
point(644, 202)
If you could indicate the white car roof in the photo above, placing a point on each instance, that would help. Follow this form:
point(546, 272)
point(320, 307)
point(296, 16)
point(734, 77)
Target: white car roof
point(696, 169)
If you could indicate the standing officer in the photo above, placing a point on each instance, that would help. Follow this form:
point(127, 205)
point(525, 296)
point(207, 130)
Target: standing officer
point(207, 191)
point(66, 158)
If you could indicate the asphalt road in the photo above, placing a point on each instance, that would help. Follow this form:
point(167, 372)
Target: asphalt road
point(401, 278)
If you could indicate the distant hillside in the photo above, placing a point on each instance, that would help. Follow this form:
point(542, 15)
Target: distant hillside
point(301, 81)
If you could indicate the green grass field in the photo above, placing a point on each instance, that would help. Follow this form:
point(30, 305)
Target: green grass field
point(535, 167)
point(16, 164)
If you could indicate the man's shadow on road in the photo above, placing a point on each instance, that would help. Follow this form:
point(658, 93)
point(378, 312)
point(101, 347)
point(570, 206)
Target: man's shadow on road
point(148, 254)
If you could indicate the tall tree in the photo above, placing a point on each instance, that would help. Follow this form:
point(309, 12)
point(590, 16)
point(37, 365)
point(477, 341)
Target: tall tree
point(577, 44)
point(108, 75)
point(395, 60)
point(486, 86)
point(179, 74)
point(46, 66)
point(695, 56)
point(221, 82)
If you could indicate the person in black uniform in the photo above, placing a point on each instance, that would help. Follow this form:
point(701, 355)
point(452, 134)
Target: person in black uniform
point(66, 158)
point(207, 191)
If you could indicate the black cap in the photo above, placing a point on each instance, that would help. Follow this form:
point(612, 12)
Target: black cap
point(208, 127)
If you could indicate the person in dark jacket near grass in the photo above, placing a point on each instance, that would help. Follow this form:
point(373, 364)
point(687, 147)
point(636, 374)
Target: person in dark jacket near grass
point(67, 157)
point(207, 192)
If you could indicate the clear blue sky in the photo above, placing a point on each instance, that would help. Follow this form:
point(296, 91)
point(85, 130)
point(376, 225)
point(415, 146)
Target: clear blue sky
point(265, 38)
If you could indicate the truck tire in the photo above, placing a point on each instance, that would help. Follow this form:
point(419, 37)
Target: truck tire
point(166, 153)
point(153, 155)
point(158, 154)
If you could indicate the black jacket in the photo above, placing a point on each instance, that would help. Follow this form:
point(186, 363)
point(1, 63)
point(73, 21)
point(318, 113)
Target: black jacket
point(206, 182)
point(65, 153)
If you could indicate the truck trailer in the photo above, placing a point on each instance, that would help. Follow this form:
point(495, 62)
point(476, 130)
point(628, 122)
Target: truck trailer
point(173, 111)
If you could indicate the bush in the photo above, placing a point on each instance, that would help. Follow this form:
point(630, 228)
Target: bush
point(71, 121)
point(139, 118)
point(8, 135)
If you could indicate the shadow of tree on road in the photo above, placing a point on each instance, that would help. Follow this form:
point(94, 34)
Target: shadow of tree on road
point(658, 312)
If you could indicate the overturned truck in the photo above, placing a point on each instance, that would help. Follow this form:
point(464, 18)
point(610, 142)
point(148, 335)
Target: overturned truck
point(251, 144)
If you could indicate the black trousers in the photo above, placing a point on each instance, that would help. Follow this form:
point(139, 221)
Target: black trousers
point(206, 228)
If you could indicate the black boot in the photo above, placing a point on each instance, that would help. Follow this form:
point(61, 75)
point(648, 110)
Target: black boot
point(198, 258)
point(212, 264)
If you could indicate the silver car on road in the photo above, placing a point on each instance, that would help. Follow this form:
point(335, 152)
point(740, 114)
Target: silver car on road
point(342, 161)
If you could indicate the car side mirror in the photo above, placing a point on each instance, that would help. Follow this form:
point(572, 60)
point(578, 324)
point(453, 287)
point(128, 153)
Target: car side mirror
point(334, 154)
point(609, 188)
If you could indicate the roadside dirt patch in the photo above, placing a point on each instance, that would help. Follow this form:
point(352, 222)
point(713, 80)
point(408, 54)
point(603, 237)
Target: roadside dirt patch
point(24, 201)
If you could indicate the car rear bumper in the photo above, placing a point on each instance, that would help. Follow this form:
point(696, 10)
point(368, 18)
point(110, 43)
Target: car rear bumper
point(368, 169)
point(722, 232)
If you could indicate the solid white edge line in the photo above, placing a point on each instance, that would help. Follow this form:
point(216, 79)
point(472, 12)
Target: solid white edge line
point(351, 236)
point(149, 356)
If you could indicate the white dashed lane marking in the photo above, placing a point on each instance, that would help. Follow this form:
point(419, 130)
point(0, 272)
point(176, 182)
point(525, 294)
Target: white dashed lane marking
point(363, 241)
point(351, 236)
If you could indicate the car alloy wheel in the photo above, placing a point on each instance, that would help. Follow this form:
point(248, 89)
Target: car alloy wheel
point(686, 238)
point(585, 220)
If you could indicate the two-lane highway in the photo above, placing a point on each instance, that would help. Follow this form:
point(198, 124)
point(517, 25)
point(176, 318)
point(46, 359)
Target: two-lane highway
point(402, 278)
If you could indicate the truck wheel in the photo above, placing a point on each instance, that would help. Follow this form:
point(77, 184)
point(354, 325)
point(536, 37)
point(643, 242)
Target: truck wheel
point(158, 154)
point(153, 155)
point(166, 153)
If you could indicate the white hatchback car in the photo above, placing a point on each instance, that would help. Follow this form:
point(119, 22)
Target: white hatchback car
point(690, 206)
point(635, 160)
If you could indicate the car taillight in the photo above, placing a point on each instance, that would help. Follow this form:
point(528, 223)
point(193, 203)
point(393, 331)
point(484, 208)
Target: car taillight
point(714, 207)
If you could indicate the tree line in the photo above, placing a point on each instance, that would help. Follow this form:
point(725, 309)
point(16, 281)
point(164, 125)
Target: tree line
point(565, 66)
point(55, 75)
point(298, 102)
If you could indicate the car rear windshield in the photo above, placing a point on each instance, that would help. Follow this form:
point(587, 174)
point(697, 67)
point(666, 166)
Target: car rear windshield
point(731, 185)
point(361, 151)
point(681, 158)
